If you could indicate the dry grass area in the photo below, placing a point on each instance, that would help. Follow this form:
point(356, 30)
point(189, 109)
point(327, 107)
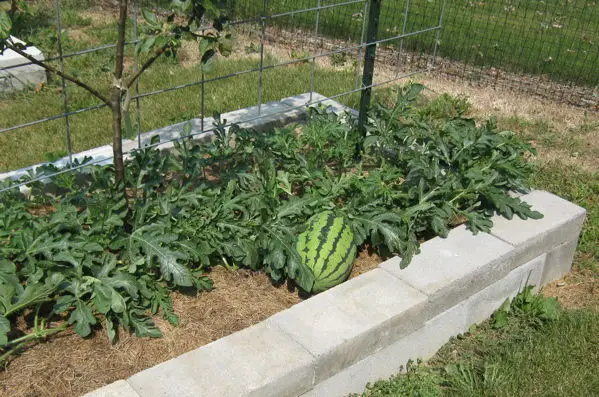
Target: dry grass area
point(68, 366)
point(578, 290)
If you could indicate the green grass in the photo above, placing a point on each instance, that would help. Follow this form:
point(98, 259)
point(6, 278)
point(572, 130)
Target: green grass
point(47, 141)
point(42, 142)
point(552, 37)
point(557, 359)
point(580, 187)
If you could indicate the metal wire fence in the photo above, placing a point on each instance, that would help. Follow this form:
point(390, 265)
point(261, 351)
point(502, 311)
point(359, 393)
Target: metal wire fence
point(548, 48)
point(262, 23)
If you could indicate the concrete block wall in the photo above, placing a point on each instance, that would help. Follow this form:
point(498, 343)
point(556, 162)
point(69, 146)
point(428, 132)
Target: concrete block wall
point(367, 328)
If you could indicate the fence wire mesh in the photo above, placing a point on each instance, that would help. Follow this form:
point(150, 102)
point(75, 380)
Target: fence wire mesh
point(260, 70)
point(548, 48)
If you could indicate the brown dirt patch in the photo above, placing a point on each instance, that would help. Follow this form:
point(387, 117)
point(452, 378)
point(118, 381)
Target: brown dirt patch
point(578, 290)
point(68, 366)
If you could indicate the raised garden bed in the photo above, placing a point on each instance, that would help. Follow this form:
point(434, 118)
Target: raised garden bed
point(369, 327)
point(241, 201)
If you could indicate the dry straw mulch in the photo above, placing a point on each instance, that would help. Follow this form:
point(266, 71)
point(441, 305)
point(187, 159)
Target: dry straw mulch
point(68, 366)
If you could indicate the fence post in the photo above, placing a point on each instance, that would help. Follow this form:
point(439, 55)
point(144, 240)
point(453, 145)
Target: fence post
point(369, 62)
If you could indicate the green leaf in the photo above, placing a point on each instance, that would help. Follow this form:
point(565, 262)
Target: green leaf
point(155, 245)
point(117, 303)
point(145, 327)
point(550, 308)
point(102, 298)
point(64, 303)
point(83, 318)
point(8, 272)
point(110, 330)
point(4, 330)
point(208, 62)
point(500, 319)
point(303, 276)
point(7, 293)
point(149, 16)
point(33, 294)
point(203, 283)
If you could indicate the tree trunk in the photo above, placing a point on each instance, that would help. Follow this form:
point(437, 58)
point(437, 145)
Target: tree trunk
point(13, 8)
point(117, 143)
point(117, 92)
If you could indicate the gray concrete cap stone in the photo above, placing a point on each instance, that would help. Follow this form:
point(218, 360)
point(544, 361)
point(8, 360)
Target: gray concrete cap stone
point(196, 373)
point(120, 388)
point(258, 361)
point(452, 269)
point(561, 223)
point(267, 360)
point(351, 321)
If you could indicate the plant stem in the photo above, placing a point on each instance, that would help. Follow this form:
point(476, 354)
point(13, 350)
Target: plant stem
point(36, 334)
point(117, 91)
point(146, 65)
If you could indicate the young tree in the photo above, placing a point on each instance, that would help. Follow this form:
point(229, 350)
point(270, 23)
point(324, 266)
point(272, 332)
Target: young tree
point(162, 36)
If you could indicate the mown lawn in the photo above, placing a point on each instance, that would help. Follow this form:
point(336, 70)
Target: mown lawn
point(47, 141)
point(557, 38)
point(557, 359)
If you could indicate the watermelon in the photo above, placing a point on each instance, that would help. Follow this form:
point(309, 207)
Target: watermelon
point(327, 248)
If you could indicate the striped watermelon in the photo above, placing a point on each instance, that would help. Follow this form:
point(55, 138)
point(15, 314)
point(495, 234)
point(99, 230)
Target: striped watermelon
point(327, 248)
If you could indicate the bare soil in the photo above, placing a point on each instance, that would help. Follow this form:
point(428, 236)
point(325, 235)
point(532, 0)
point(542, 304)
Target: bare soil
point(69, 366)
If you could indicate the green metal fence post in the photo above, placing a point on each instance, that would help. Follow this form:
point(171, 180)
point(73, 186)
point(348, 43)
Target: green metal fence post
point(369, 63)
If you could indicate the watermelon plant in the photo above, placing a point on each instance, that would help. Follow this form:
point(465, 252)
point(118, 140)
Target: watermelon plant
point(87, 255)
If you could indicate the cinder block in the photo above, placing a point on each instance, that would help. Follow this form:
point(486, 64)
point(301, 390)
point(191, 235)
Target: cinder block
point(561, 223)
point(258, 361)
point(14, 75)
point(349, 322)
point(422, 343)
point(267, 360)
point(304, 100)
point(453, 269)
point(269, 115)
point(559, 261)
point(482, 304)
point(120, 388)
point(198, 372)
point(172, 132)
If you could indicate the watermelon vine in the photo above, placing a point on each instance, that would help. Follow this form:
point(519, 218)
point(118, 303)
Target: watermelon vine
point(80, 253)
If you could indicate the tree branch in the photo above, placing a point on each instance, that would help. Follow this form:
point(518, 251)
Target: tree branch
point(146, 65)
point(49, 68)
